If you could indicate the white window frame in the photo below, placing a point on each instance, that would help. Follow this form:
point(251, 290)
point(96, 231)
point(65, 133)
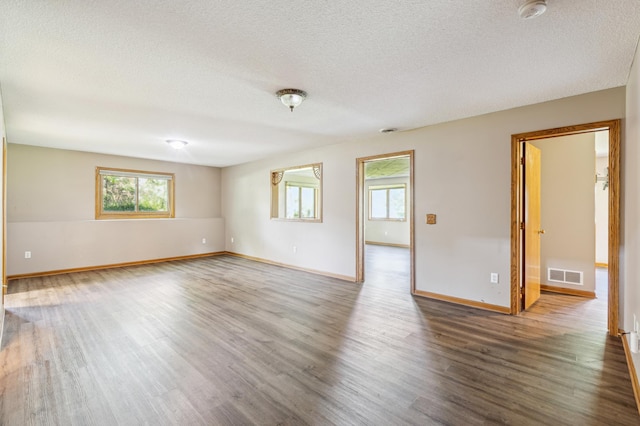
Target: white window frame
point(300, 185)
point(386, 188)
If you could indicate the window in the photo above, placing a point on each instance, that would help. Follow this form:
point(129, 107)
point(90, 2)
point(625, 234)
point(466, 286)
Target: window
point(300, 201)
point(130, 194)
point(296, 193)
point(387, 202)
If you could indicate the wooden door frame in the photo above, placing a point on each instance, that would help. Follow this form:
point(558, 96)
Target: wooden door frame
point(361, 209)
point(613, 126)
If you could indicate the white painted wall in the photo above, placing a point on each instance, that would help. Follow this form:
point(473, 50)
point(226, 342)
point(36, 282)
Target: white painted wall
point(630, 250)
point(462, 173)
point(51, 212)
point(602, 212)
point(387, 231)
point(568, 208)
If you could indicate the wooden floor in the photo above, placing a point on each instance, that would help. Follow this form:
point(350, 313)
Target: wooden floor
point(226, 340)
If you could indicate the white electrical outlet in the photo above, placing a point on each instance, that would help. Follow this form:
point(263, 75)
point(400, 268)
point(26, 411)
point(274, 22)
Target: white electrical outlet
point(295, 249)
point(232, 240)
point(495, 278)
point(204, 241)
point(27, 255)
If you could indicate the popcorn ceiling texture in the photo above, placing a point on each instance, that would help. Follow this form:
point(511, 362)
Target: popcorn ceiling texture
point(121, 76)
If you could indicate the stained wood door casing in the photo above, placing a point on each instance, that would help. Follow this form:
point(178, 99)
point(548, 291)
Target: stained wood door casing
point(532, 229)
point(614, 128)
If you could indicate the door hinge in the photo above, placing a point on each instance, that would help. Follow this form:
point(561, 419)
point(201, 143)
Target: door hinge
point(522, 161)
point(521, 225)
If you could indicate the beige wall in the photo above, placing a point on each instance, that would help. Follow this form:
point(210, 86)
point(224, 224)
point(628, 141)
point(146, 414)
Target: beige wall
point(462, 173)
point(51, 212)
point(387, 231)
point(630, 250)
point(568, 208)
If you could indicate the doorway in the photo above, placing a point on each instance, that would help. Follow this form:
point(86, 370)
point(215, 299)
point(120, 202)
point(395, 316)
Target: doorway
point(520, 258)
point(384, 207)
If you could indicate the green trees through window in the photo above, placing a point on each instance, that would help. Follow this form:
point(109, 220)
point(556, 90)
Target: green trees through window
point(134, 194)
point(119, 194)
point(122, 193)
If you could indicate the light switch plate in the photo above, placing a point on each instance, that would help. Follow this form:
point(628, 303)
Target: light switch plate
point(431, 219)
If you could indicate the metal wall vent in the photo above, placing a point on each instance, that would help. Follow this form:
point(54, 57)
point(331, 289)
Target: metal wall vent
point(564, 276)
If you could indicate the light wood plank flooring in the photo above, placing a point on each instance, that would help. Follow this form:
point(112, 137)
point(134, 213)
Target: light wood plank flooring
point(226, 340)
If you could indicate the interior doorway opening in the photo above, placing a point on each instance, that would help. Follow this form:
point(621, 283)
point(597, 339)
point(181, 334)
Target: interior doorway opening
point(522, 265)
point(574, 219)
point(384, 216)
point(601, 199)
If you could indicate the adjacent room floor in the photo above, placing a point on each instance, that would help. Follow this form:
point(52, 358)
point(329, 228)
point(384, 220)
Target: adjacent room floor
point(225, 340)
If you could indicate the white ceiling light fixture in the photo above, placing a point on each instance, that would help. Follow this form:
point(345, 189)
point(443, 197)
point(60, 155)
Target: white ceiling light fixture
point(291, 97)
point(532, 9)
point(176, 144)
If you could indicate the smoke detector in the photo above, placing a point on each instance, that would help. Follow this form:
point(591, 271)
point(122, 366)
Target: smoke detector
point(532, 9)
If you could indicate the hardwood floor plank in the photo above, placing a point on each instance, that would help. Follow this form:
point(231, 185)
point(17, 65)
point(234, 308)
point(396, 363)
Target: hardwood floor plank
point(225, 340)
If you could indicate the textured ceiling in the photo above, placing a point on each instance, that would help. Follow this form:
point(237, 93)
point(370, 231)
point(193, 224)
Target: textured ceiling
point(393, 167)
point(121, 76)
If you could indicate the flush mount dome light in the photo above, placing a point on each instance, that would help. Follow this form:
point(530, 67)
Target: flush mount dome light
point(532, 9)
point(291, 97)
point(176, 144)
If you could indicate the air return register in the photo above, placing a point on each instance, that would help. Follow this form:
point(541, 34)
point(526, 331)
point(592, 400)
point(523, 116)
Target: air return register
point(564, 276)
